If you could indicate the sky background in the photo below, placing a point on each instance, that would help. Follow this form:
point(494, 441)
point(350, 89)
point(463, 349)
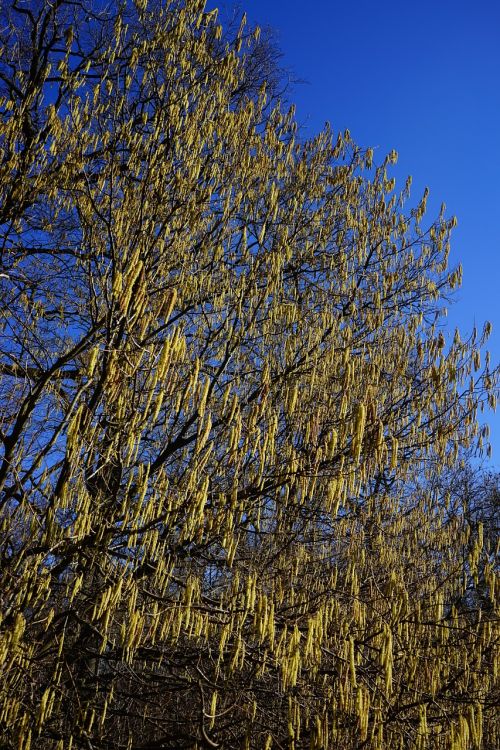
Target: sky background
point(423, 79)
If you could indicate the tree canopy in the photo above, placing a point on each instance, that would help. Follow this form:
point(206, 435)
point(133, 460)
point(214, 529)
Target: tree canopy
point(225, 388)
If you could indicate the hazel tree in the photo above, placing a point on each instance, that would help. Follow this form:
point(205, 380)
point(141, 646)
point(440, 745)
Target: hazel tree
point(223, 375)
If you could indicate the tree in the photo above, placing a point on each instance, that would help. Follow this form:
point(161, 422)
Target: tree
point(471, 492)
point(222, 373)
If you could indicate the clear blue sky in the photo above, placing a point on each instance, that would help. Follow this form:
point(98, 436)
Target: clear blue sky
point(423, 78)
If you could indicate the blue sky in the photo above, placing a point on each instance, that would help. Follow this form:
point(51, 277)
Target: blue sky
point(423, 79)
